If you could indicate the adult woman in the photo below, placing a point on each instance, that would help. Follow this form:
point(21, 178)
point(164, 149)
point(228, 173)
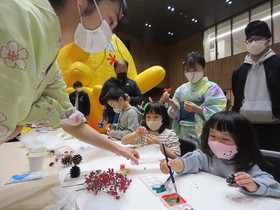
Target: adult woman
point(195, 101)
point(32, 31)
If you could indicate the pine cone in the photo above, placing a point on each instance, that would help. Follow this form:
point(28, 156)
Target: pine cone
point(67, 160)
point(75, 171)
point(77, 159)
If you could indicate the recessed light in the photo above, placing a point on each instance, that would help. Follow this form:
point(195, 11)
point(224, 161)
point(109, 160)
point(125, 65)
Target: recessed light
point(194, 20)
point(172, 9)
point(181, 13)
point(186, 16)
point(148, 25)
point(229, 1)
point(170, 33)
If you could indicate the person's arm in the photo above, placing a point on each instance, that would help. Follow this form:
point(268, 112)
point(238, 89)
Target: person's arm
point(132, 124)
point(191, 162)
point(87, 105)
point(87, 134)
point(136, 98)
point(129, 138)
point(104, 90)
point(266, 184)
point(214, 101)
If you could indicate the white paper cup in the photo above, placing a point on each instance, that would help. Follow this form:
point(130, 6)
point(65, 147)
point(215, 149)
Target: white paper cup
point(36, 161)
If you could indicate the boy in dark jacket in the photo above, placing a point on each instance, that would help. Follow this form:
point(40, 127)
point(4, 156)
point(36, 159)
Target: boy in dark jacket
point(80, 99)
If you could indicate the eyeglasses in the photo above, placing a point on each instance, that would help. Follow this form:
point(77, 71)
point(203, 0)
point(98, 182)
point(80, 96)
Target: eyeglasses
point(250, 40)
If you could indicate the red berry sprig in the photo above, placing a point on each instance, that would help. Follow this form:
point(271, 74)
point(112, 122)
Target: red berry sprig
point(107, 181)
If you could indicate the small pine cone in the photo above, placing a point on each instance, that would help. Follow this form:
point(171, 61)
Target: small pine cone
point(77, 159)
point(75, 171)
point(67, 160)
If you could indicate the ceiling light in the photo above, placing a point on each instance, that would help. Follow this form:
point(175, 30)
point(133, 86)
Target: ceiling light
point(194, 20)
point(148, 25)
point(229, 1)
point(172, 9)
point(181, 13)
point(170, 33)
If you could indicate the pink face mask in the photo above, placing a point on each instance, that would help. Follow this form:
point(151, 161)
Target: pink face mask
point(222, 151)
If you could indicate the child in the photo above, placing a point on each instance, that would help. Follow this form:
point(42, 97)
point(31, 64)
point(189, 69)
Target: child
point(229, 147)
point(129, 118)
point(155, 131)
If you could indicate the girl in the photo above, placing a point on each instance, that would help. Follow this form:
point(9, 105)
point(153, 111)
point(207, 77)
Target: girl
point(229, 146)
point(195, 101)
point(32, 89)
point(155, 131)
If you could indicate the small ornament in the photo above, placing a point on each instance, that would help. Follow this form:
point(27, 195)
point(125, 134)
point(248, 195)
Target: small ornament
point(122, 166)
point(231, 181)
point(77, 159)
point(75, 172)
point(67, 160)
point(51, 164)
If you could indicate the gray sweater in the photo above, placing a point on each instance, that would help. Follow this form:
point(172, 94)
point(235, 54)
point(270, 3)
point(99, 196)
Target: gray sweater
point(198, 161)
point(129, 121)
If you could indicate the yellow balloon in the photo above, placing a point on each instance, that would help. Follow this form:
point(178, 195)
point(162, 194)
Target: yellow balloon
point(94, 69)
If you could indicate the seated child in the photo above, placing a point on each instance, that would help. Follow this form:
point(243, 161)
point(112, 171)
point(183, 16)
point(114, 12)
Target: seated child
point(129, 118)
point(229, 146)
point(155, 131)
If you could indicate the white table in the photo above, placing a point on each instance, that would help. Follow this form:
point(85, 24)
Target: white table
point(201, 190)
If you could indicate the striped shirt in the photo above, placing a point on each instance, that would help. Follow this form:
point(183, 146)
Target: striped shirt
point(168, 137)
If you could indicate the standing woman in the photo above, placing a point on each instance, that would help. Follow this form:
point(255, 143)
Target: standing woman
point(195, 101)
point(32, 89)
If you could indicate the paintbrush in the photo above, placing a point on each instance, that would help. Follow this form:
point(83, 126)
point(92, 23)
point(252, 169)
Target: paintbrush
point(171, 173)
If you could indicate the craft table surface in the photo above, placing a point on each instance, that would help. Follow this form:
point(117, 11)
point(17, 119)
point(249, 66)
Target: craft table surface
point(202, 190)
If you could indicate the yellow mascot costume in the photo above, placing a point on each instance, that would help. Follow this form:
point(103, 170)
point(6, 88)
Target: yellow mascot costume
point(94, 69)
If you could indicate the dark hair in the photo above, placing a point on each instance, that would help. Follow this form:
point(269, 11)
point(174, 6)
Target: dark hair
point(77, 84)
point(157, 108)
point(241, 131)
point(114, 94)
point(116, 63)
point(194, 57)
point(91, 6)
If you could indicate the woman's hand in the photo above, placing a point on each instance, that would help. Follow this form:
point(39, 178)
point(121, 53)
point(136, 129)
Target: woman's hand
point(128, 153)
point(165, 98)
point(243, 179)
point(192, 107)
point(141, 131)
point(152, 139)
point(176, 165)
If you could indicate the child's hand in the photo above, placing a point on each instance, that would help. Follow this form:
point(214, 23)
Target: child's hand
point(109, 126)
point(141, 131)
point(176, 165)
point(243, 179)
point(190, 106)
point(165, 98)
point(152, 139)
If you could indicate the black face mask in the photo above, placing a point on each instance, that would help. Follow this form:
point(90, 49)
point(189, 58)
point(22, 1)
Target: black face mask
point(122, 76)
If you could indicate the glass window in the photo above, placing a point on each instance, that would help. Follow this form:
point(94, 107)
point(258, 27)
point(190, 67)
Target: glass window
point(209, 44)
point(263, 13)
point(239, 23)
point(276, 20)
point(224, 39)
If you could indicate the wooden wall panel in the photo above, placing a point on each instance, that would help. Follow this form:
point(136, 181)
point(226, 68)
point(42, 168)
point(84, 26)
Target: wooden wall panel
point(147, 54)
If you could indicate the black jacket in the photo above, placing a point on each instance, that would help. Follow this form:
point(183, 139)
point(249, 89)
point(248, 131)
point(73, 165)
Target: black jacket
point(83, 102)
point(129, 86)
point(272, 72)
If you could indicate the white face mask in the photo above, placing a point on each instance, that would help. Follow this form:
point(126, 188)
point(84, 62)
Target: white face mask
point(93, 41)
point(79, 89)
point(117, 110)
point(154, 125)
point(194, 77)
point(256, 47)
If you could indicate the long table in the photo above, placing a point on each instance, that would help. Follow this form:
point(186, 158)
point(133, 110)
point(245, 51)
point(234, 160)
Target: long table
point(201, 190)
